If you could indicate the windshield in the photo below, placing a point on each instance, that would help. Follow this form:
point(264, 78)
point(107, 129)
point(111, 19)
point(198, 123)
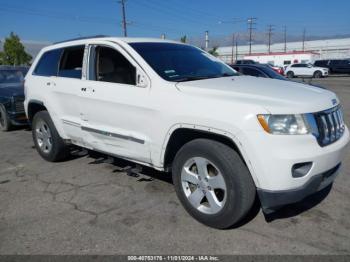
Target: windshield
point(178, 62)
point(11, 76)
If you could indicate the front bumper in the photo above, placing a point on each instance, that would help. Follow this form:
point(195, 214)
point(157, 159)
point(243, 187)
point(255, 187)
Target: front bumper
point(18, 119)
point(271, 158)
point(271, 200)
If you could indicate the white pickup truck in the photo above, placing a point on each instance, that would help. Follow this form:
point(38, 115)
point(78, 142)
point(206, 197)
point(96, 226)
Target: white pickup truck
point(174, 107)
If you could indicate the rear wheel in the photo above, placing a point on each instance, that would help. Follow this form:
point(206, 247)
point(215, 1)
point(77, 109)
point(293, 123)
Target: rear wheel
point(318, 74)
point(213, 183)
point(5, 124)
point(290, 74)
point(47, 141)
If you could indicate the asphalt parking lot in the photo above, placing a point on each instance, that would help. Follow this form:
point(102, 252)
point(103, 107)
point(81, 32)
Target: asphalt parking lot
point(87, 205)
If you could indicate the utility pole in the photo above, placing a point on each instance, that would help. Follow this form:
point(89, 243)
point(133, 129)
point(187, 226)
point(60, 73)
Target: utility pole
point(125, 33)
point(285, 39)
point(236, 47)
point(304, 37)
point(206, 40)
point(233, 47)
point(270, 33)
point(251, 22)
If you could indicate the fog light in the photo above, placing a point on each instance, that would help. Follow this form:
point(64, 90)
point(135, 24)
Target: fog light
point(301, 169)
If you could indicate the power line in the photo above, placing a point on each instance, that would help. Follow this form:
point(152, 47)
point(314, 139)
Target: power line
point(251, 22)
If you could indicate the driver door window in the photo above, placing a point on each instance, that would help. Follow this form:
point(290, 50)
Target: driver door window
point(111, 66)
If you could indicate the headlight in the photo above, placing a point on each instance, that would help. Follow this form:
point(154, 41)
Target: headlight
point(284, 124)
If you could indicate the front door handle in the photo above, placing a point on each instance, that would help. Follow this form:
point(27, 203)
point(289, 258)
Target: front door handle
point(50, 83)
point(88, 89)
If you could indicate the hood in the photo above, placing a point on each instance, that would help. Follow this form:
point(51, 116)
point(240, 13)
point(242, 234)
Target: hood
point(276, 96)
point(11, 89)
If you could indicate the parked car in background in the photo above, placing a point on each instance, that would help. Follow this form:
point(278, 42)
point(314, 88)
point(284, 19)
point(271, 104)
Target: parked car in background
point(12, 97)
point(261, 70)
point(225, 138)
point(245, 61)
point(335, 66)
point(306, 70)
point(277, 69)
point(258, 70)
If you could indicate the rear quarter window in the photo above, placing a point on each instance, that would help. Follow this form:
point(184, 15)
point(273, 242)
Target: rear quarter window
point(48, 63)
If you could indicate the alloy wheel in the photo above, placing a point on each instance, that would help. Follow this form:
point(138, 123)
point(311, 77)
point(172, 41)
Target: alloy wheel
point(43, 137)
point(203, 185)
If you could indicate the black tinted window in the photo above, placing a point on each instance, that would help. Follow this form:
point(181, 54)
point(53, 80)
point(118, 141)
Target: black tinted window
point(113, 67)
point(72, 62)
point(321, 63)
point(253, 72)
point(48, 64)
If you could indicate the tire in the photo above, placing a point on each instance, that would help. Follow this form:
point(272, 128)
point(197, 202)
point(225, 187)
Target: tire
point(5, 123)
point(47, 141)
point(290, 74)
point(317, 74)
point(234, 201)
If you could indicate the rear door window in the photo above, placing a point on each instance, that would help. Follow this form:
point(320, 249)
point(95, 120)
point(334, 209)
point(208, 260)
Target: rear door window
point(48, 63)
point(71, 63)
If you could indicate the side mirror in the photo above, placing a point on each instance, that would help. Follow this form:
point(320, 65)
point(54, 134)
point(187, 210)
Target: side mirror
point(141, 79)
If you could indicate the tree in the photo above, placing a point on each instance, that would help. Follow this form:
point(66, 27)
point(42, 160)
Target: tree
point(14, 53)
point(183, 39)
point(214, 51)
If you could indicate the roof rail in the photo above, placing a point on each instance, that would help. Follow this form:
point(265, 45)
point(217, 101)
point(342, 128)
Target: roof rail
point(81, 38)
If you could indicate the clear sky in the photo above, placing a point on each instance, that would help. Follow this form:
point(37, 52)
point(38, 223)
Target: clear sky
point(52, 20)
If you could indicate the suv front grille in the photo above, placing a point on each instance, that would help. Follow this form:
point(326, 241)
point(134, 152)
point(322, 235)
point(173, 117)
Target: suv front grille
point(19, 104)
point(330, 125)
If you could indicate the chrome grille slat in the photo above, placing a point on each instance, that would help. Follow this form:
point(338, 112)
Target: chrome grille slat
point(330, 125)
point(337, 126)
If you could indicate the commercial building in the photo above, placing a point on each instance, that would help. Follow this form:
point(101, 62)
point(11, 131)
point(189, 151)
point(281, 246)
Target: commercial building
point(295, 53)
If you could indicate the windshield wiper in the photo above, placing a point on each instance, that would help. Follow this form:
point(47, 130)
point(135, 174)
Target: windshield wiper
point(192, 78)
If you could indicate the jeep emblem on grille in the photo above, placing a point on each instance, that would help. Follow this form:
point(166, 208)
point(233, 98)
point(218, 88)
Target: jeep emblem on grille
point(334, 101)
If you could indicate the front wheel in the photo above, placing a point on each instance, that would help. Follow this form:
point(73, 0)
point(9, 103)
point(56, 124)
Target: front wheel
point(47, 141)
point(213, 183)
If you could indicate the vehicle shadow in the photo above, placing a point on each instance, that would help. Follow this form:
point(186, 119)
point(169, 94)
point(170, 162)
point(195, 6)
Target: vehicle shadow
point(142, 173)
point(147, 174)
point(296, 209)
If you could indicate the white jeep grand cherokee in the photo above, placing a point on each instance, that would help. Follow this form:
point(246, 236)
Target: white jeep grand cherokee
point(176, 108)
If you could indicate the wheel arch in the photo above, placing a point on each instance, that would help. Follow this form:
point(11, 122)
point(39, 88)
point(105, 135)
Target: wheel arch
point(34, 106)
point(181, 134)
